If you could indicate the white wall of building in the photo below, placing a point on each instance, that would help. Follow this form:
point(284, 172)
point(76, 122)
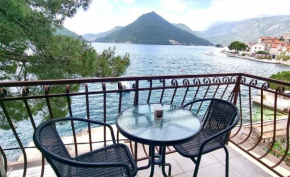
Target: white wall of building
point(273, 51)
point(257, 47)
point(286, 37)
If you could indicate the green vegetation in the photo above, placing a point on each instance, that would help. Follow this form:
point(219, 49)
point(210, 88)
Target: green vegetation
point(238, 46)
point(283, 56)
point(268, 58)
point(150, 28)
point(283, 76)
point(33, 49)
point(262, 52)
point(279, 150)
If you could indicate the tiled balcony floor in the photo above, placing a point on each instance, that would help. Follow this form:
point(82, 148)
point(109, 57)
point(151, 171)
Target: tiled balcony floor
point(212, 165)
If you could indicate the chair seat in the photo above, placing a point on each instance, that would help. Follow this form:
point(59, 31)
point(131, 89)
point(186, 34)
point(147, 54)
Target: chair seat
point(112, 153)
point(191, 148)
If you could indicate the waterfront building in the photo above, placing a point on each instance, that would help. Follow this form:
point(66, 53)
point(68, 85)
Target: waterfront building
point(255, 47)
point(273, 45)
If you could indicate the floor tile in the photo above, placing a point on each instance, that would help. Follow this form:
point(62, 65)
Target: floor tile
point(242, 167)
point(221, 155)
point(214, 170)
point(175, 168)
point(187, 164)
point(181, 175)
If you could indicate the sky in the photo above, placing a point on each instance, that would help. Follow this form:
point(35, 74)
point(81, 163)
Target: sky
point(104, 15)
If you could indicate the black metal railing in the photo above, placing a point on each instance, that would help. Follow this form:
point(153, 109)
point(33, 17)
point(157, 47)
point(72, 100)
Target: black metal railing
point(104, 98)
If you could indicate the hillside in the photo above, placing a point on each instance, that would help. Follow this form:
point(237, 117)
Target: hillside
point(93, 37)
point(151, 28)
point(248, 30)
point(66, 32)
point(186, 28)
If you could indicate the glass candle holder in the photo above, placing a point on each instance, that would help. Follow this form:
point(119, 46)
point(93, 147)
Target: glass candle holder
point(158, 111)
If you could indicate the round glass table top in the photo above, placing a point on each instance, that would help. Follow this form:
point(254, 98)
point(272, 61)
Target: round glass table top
point(176, 126)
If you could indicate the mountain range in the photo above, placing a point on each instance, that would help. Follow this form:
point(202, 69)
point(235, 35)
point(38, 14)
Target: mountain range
point(247, 30)
point(150, 28)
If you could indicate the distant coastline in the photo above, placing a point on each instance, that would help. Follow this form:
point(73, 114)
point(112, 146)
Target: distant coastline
point(273, 61)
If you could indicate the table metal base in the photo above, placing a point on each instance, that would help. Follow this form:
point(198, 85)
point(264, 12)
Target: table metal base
point(157, 159)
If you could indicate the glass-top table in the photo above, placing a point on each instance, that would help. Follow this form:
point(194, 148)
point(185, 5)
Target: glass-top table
point(176, 126)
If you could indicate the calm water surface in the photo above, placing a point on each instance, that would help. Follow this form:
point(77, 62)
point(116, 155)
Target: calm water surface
point(171, 60)
point(146, 60)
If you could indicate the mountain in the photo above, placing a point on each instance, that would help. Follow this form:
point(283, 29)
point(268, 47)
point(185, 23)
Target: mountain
point(247, 30)
point(93, 37)
point(186, 28)
point(151, 28)
point(183, 26)
point(66, 32)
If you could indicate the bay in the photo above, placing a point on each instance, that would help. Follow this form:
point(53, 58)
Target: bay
point(172, 60)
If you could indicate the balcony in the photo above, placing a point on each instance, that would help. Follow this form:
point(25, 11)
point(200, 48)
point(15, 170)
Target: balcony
point(258, 145)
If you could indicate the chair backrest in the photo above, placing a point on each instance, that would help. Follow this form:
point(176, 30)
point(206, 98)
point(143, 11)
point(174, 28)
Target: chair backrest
point(46, 138)
point(221, 115)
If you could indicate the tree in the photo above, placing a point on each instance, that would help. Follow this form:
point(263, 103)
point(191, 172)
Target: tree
point(30, 49)
point(29, 45)
point(282, 39)
point(238, 46)
point(262, 52)
point(283, 76)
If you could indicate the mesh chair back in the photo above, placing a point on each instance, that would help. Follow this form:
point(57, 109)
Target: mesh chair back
point(51, 141)
point(220, 116)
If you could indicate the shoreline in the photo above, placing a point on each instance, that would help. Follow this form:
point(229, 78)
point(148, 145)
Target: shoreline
point(259, 60)
point(273, 61)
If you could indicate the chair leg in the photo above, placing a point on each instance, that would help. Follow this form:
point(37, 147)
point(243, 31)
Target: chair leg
point(227, 161)
point(193, 159)
point(197, 166)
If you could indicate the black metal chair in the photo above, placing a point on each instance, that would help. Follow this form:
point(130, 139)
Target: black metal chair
point(112, 160)
point(219, 118)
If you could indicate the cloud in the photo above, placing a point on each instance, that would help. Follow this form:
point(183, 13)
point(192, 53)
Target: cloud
point(235, 10)
point(174, 5)
point(128, 1)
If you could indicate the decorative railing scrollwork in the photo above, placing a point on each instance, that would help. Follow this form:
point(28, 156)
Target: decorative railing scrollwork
point(206, 80)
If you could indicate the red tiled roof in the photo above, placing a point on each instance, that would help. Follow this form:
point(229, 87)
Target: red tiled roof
point(272, 42)
point(274, 46)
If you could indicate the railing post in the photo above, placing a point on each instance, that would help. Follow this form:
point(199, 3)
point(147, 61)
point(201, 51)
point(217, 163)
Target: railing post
point(236, 94)
point(237, 90)
point(136, 100)
point(105, 112)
